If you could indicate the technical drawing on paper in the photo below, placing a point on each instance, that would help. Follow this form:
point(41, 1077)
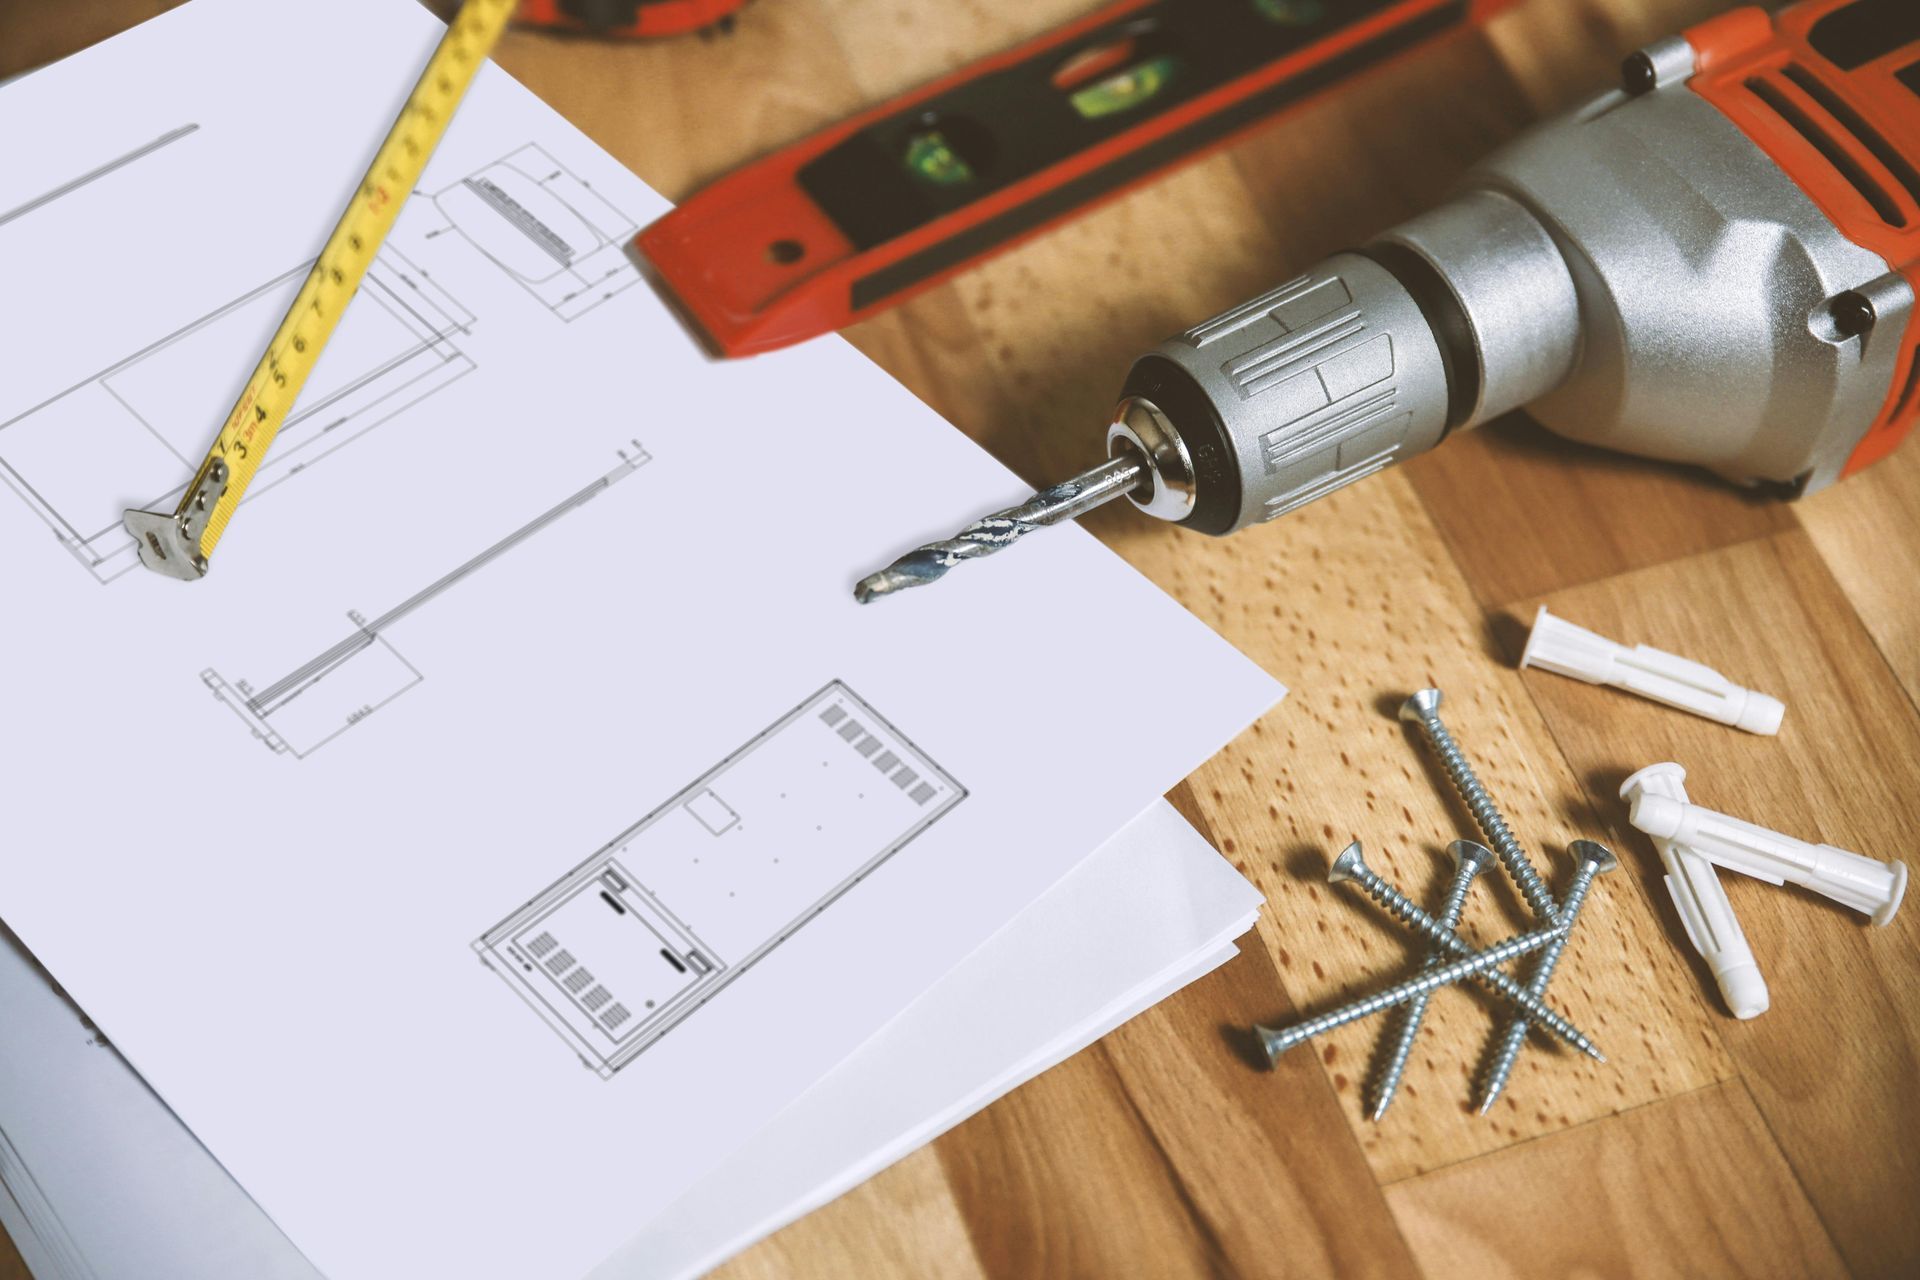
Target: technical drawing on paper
point(342, 685)
point(98, 172)
point(141, 426)
point(625, 947)
point(540, 224)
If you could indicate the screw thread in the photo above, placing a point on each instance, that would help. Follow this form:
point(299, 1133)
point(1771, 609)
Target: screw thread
point(1416, 1008)
point(1514, 1037)
point(1400, 905)
point(1277, 1041)
point(1487, 815)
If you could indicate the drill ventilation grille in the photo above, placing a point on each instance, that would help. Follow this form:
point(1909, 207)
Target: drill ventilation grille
point(1845, 140)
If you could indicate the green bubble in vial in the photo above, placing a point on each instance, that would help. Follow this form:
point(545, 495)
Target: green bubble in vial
point(1125, 90)
point(931, 159)
point(1292, 13)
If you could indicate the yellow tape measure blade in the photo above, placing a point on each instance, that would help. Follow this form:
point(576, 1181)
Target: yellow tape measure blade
point(179, 544)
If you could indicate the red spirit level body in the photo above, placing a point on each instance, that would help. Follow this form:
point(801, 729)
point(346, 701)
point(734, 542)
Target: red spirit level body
point(895, 200)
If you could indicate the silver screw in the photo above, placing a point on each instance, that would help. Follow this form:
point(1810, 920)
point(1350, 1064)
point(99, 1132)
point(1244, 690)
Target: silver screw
point(1475, 964)
point(1349, 866)
point(1591, 859)
point(1469, 860)
point(1423, 709)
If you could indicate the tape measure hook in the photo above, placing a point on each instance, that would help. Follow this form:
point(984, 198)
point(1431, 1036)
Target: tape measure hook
point(170, 542)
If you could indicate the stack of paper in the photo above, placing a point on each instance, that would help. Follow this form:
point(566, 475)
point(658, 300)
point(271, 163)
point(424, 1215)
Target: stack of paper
point(100, 1180)
point(525, 724)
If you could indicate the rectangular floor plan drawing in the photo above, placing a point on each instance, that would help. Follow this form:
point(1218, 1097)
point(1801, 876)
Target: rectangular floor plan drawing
point(626, 946)
point(142, 440)
point(342, 685)
point(543, 226)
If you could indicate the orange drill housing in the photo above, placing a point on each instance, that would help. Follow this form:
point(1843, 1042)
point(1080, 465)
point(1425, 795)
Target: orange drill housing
point(1830, 89)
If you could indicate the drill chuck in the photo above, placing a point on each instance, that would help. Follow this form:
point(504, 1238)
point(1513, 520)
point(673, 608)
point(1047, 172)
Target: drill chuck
point(1639, 274)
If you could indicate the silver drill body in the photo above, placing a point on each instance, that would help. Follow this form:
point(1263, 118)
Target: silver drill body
point(1469, 860)
point(1350, 866)
point(1547, 281)
point(1423, 709)
point(1591, 859)
point(1475, 964)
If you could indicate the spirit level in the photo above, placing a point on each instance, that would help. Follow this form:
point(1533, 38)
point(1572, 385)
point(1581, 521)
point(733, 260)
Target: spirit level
point(870, 211)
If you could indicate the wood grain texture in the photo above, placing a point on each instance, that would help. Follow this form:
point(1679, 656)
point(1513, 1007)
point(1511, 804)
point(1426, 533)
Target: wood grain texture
point(33, 33)
point(905, 1223)
point(1778, 1147)
point(1865, 532)
point(1692, 1186)
point(1845, 1022)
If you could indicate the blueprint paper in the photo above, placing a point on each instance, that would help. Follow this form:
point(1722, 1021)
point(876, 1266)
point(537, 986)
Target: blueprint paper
point(521, 814)
point(125, 1190)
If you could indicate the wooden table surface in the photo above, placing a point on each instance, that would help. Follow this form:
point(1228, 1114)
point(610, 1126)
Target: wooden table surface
point(1786, 1146)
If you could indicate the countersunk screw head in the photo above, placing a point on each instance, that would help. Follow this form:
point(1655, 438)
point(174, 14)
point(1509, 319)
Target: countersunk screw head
point(1467, 853)
point(1347, 866)
point(1594, 853)
point(1420, 706)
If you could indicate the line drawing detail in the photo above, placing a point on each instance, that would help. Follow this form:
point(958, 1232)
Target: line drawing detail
point(144, 423)
point(342, 685)
point(659, 921)
point(543, 226)
point(94, 175)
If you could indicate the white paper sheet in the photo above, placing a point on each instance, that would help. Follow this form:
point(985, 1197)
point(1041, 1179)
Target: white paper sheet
point(528, 570)
point(1086, 957)
point(106, 1183)
point(21, 1231)
point(123, 1190)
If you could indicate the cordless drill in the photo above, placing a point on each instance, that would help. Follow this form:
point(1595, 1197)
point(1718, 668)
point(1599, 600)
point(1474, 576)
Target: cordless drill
point(1715, 263)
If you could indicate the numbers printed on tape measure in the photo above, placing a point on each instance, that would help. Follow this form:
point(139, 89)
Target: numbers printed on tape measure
point(275, 385)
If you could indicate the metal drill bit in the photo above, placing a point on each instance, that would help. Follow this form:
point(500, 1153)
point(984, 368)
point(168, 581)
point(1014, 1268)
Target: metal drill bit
point(1350, 866)
point(1592, 859)
point(1067, 500)
point(1277, 1040)
point(1469, 860)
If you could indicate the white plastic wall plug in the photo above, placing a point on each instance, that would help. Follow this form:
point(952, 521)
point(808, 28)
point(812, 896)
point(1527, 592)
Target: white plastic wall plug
point(1560, 646)
point(1863, 883)
point(1702, 903)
